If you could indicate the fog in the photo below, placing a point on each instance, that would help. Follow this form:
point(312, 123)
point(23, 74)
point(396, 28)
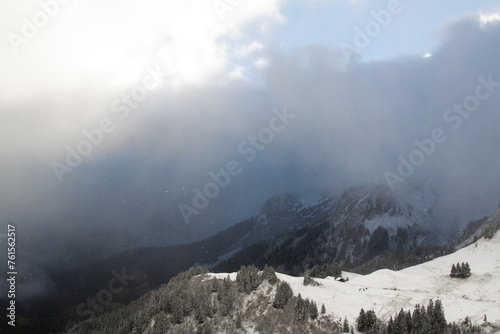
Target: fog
point(348, 123)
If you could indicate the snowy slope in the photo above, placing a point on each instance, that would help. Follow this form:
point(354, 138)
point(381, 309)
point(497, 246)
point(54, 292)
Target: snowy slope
point(387, 291)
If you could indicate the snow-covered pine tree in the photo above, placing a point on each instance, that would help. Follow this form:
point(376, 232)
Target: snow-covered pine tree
point(269, 274)
point(215, 284)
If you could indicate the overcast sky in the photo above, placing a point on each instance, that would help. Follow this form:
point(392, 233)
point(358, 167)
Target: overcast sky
point(154, 97)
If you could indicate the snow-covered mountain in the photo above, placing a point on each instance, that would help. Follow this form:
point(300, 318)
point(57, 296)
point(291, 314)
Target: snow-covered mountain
point(290, 233)
point(386, 291)
point(376, 206)
point(360, 224)
point(285, 214)
point(253, 301)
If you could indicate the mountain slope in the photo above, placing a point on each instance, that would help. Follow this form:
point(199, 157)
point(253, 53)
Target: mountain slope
point(387, 291)
point(201, 302)
point(364, 222)
point(245, 302)
point(287, 234)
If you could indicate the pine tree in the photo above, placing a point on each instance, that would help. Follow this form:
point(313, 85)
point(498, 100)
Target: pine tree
point(269, 274)
point(186, 299)
point(430, 316)
point(455, 329)
point(226, 297)
point(400, 323)
point(283, 294)
point(460, 270)
point(361, 321)
point(345, 327)
point(416, 317)
point(489, 231)
point(438, 320)
point(161, 324)
point(215, 284)
point(241, 279)
point(313, 310)
point(409, 322)
point(466, 269)
point(419, 320)
point(307, 280)
point(390, 326)
point(425, 320)
point(367, 322)
point(177, 313)
point(248, 279)
point(323, 309)
point(201, 303)
point(300, 309)
point(255, 278)
point(371, 322)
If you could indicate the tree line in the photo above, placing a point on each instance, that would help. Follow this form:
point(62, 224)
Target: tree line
point(423, 320)
point(460, 270)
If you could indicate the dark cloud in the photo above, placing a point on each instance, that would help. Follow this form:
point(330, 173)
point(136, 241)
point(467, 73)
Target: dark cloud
point(351, 125)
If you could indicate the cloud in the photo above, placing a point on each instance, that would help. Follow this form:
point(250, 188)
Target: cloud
point(488, 18)
point(352, 122)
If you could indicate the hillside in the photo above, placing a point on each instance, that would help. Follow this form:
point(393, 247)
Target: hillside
point(245, 302)
point(386, 291)
point(288, 234)
point(362, 223)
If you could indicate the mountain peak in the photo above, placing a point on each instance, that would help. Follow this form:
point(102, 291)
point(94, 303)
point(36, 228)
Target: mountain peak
point(280, 204)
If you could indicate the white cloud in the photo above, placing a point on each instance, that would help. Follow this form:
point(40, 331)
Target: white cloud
point(112, 42)
point(261, 63)
point(238, 72)
point(89, 53)
point(485, 19)
point(248, 49)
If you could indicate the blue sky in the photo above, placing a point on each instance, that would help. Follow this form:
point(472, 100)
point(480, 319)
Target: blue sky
point(416, 30)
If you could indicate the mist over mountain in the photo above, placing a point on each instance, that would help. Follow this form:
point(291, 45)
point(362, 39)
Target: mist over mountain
point(250, 299)
point(157, 125)
point(364, 229)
